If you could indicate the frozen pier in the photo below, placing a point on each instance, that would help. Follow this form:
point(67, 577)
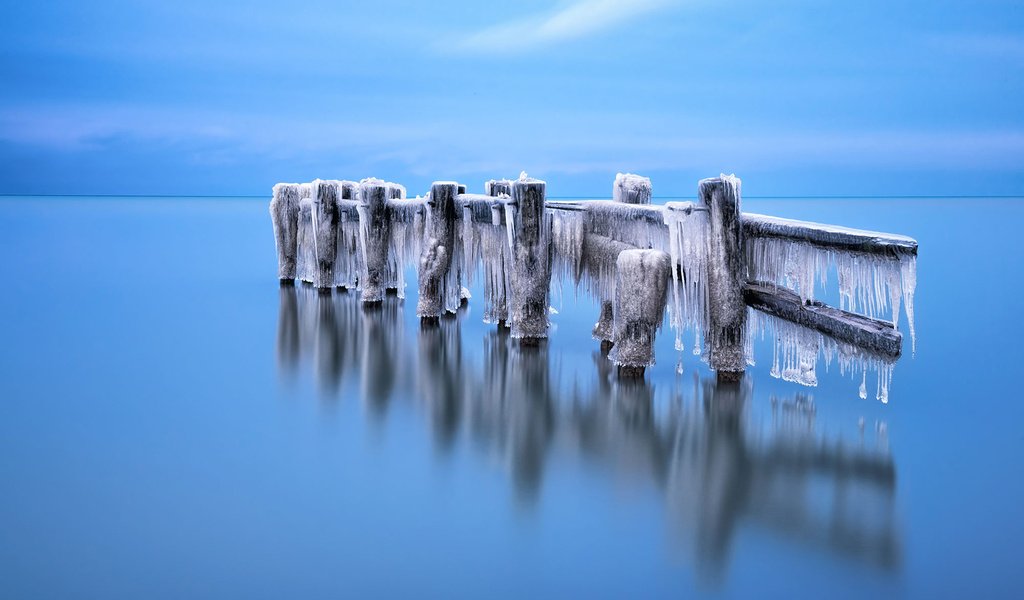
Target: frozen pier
point(713, 273)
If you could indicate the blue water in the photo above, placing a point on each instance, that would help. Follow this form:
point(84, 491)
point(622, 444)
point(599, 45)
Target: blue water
point(174, 424)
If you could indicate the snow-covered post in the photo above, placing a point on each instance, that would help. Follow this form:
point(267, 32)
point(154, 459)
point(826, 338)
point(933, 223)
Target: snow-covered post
point(628, 189)
point(375, 235)
point(641, 292)
point(396, 191)
point(631, 189)
point(497, 187)
point(284, 213)
point(325, 230)
point(437, 253)
point(531, 260)
point(305, 265)
point(727, 312)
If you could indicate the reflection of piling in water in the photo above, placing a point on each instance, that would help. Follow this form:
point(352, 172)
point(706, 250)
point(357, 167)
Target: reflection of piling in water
point(288, 345)
point(699, 445)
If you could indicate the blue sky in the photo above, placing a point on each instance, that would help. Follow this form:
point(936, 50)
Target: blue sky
point(797, 97)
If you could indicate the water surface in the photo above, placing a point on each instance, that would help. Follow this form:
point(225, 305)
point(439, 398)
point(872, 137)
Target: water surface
point(175, 424)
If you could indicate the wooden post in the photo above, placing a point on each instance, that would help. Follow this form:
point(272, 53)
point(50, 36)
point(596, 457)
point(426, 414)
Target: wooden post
point(325, 230)
point(628, 189)
point(284, 213)
point(727, 311)
point(375, 235)
point(396, 191)
point(435, 277)
point(498, 187)
point(531, 261)
point(631, 189)
point(641, 292)
point(305, 265)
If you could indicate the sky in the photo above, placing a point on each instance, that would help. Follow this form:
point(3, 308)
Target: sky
point(797, 97)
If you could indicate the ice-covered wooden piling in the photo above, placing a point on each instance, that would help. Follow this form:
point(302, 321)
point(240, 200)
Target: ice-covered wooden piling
point(284, 214)
point(641, 291)
point(726, 274)
point(529, 231)
point(375, 237)
point(325, 231)
point(439, 286)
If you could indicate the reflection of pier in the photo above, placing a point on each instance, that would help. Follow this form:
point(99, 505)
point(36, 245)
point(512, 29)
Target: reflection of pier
point(716, 468)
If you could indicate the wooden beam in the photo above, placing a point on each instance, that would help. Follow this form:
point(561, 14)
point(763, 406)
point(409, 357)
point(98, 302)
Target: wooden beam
point(828, 236)
point(873, 335)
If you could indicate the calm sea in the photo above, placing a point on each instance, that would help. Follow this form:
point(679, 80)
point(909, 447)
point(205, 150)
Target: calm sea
point(173, 424)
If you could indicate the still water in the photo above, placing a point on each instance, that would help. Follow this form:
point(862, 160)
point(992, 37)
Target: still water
point(175, 424)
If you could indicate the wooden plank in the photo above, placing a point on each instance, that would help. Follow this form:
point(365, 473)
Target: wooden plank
point(828, 236)
point(878, 337)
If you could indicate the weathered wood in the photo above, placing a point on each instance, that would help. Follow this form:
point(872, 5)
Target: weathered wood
point(325, 229)
point(631, 189)
point(727, 313)
point(284, 215)
point(828, 236)
point(375, 236)
point(480, 207)
point(602, 250)
point(874, 335)
point(498, 187)
point(641, 292)
point(438, 250)
point(531, 260)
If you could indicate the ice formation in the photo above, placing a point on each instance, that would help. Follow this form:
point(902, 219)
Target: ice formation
point(284, 212)
point(306, 259)
point(529, 234)
point(631, 189)
point(687, 230)
point(440, 262)
point(486, 244)
point(642, 284)
point(325, 195)
point(797, 349)
point(374, 237)
point(348, 257)
point(870, 284)
point(407, 218)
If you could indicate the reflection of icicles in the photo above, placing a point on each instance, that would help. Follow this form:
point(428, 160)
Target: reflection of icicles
point(869, 284)
point(796, 349)
point(687, 245)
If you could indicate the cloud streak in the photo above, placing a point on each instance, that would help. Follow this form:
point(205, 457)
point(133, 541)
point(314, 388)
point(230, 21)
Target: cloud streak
point(569, 22)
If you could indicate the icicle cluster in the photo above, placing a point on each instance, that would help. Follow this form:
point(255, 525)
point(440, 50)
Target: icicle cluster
point(486, 252)
point(688, 231)
point(874, 285)
point(797, 349)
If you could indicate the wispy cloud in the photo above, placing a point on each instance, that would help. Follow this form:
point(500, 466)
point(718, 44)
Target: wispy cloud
point(567, 22)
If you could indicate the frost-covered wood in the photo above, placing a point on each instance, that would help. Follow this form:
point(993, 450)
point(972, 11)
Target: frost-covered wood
point(518, 244)
point(872, 334)
point(830, 236)
point(529, 232)
point(375, 237)
point(325, 231)
point(726, 273)
point(439, 286)
point(640, 294)
point(284, 214)
point(631, 189)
